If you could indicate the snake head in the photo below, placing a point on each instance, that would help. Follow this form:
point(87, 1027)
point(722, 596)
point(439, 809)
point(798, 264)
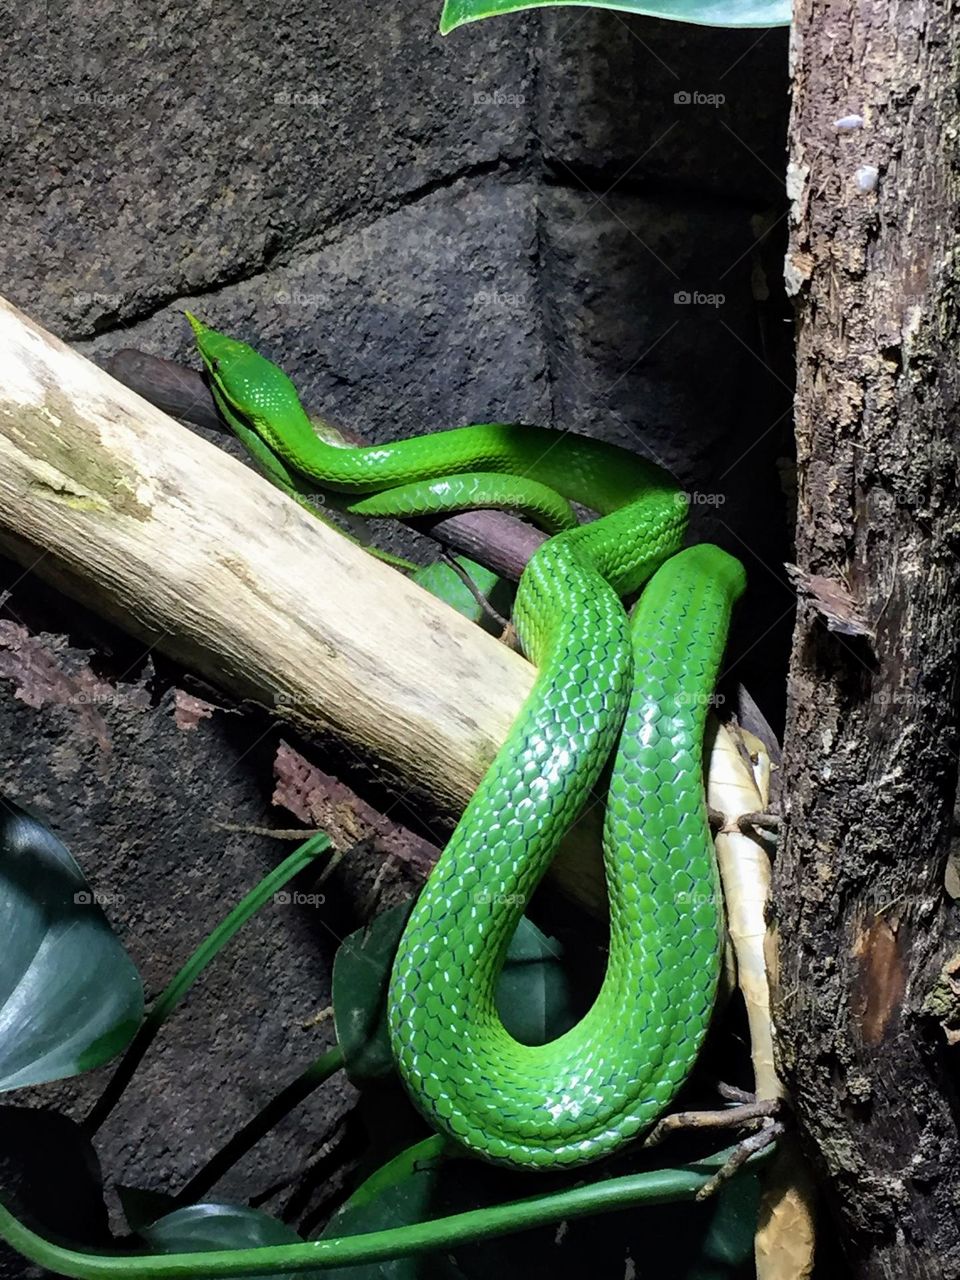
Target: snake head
point(218, 352)
point(248, 384)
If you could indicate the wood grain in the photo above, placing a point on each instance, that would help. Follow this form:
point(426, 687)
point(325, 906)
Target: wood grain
point(126, 510)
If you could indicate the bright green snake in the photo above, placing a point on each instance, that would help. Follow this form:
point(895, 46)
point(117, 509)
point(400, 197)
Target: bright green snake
point(645, 684)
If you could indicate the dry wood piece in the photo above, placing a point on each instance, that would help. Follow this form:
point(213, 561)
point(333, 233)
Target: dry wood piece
point(832, 600)
point(326, 803)
point(131, 513)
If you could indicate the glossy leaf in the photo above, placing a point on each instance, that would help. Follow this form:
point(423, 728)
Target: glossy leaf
point(206, 1227)
point(142, 1206)
point(709, 13)
point(361, 972)
point(442, 581)
point(533, 995)
point(70, 996)
point(727, 1242)
point(402, 1192)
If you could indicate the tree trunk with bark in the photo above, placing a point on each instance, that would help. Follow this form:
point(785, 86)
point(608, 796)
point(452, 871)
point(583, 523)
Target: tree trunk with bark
point(868, 1004)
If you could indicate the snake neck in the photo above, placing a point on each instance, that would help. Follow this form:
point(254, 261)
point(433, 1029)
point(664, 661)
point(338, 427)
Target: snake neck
point(618, 553)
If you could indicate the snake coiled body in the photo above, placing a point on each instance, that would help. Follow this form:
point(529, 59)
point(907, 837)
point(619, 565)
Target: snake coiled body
point(602, 681)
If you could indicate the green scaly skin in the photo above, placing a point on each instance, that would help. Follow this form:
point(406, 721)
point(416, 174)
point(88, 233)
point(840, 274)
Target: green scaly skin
point(600, 679)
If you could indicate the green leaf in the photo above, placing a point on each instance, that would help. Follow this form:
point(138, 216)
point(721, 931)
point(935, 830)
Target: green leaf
point(446, 584)
point(533, 994)
point(422, 1156)
point(206, 1227)
point(142, 1207)
point(708, 13)
point(403, 1192)
point(728, 1242)
point(71, 996)
point(361, 973)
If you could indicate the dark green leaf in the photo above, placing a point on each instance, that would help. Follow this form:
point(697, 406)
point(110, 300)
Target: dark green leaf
point(206, 1227)
point(446, 584)
point(141, 1206)
point(404, 1191)
point(728, 1241)
point(533, 995)
point(361, 972)
point(709, 13)
point(71, 996)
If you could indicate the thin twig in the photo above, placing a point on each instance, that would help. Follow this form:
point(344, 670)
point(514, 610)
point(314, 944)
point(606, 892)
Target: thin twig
point(468, 582)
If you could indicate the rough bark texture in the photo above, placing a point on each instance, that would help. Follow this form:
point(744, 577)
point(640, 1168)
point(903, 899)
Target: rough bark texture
point(867, 932)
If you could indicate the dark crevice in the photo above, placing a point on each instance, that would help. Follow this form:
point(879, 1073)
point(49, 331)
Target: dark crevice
point(601, 181)
point(542, 289)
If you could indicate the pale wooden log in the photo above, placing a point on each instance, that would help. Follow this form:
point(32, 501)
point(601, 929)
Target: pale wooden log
point(130, 513)
point(133, 514)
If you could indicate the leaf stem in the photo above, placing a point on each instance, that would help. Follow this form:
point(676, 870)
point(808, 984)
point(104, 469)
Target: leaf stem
point(653, 1187)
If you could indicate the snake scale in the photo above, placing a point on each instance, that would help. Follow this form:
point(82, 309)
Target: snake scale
point(640, 687)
